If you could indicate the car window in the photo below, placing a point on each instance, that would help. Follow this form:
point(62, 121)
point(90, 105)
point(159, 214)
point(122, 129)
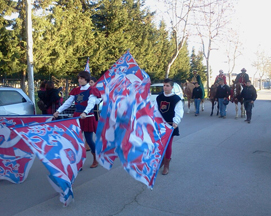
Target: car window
point(10, 97)
point(176, 89)
point(156, 89)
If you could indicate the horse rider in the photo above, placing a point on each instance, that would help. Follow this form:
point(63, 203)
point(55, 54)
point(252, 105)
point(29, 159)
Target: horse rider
point(195, 78)
point(242, 77)
point(221, 76)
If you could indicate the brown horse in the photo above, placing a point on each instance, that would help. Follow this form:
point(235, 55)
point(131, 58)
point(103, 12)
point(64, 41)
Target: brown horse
point(212, 95)
point(188, 91)
point(236, 90)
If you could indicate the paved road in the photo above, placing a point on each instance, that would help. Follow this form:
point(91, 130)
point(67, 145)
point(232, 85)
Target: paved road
point(219, 167)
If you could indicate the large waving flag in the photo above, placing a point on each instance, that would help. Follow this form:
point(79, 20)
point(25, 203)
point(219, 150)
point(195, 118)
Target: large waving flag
point(130, 127)
point(87, 66)
point(16, 158)
point(60, 146)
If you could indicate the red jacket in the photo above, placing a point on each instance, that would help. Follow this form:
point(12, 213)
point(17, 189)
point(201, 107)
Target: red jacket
point(221, 77)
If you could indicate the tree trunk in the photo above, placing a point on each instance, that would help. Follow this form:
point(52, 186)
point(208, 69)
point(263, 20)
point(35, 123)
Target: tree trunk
point(23, 79)
point(253, 79)
point(67, 89)
point(174, 57)
point(208, 75)
point(229, 79)
point(171, 63)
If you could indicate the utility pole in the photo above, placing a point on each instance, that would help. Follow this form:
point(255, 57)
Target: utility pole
point(30, 71)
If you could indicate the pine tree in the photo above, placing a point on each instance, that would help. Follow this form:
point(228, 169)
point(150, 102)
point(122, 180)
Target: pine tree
point(144, 35)
point(110, 20)
point(19, 42)
point(65, 35)
point(124, 25)
point(6, 47)
point(196, 63)
point(180, 70)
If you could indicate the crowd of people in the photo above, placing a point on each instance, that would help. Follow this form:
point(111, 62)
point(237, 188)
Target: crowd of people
point(50, 98)
point(224, 92)
point(86, 98)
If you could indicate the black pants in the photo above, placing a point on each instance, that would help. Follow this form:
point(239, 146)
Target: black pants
point(248, 107)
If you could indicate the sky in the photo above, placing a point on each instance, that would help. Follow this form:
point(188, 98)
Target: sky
point(251, 19)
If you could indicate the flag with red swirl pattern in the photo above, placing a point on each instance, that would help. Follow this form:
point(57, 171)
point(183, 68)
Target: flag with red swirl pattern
point(130, 127)
point(60, 147)
point(16, 158)
point(87, 66)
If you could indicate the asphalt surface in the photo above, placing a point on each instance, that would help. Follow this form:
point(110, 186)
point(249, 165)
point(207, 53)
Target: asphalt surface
point(219, 167)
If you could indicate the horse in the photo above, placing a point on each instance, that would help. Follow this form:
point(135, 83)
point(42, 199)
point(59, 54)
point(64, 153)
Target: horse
point(236, 90)
point(188, 91)
point(212, 95)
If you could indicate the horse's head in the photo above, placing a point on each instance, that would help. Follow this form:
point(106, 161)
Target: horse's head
point(188, 88)
point(183, 86)
point(213, 90)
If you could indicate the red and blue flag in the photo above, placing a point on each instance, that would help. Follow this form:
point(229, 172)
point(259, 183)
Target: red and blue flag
point(16, 158)
point(60, 147)
point(87, 66)
point(130, 127)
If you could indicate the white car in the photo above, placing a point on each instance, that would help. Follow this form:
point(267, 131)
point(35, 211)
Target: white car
point(14, 101)
point(157, 88)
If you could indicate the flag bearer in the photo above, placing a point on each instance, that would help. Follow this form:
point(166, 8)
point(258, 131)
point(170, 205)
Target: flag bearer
point(170, 106)
point(85, 98)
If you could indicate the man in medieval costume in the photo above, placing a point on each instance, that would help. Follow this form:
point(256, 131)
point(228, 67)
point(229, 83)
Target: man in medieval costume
point(242, 77)
point(221, 76)
point(195, 78)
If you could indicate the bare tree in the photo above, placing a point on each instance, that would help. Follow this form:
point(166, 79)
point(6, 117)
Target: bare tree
point(233, 50)
point(269, 70)
point(211, 17)
point(179, 12)
point(262, 65)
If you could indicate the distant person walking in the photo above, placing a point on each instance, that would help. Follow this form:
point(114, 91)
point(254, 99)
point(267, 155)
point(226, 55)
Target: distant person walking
point(41, 95)
point(222, 95)
point(197, 95)
point(249, 94)
point(53, 100)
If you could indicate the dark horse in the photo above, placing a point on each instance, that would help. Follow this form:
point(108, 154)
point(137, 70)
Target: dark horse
point(236, 90)
point(212, 95)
